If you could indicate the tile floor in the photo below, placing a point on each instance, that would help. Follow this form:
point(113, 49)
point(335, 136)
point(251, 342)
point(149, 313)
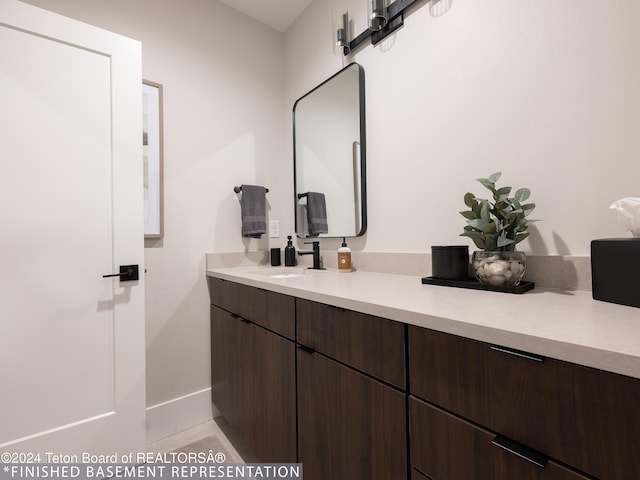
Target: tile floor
point(213, 435)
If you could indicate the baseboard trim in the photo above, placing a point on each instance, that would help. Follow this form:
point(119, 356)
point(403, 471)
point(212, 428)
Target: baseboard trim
point(173, 416)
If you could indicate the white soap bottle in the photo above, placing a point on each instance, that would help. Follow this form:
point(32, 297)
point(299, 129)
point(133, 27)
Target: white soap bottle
point(344, 257)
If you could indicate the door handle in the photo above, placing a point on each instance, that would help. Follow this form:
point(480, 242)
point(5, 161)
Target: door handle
point(127, 273)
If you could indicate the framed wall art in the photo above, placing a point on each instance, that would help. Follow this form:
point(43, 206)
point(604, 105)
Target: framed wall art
point(153, 158)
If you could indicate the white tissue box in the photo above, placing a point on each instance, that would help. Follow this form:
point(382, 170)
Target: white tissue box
point(615, 270)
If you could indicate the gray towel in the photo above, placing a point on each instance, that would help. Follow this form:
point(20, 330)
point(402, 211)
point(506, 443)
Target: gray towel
point(253, 207)
point(316, 214)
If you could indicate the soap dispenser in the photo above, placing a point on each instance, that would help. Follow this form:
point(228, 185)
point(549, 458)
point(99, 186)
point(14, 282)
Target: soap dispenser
point(289, 253)
point(344, 257)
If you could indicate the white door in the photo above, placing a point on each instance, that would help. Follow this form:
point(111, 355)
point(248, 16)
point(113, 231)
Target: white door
point(71, 210)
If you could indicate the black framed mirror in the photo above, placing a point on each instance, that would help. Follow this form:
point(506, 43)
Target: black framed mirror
point(329, 157)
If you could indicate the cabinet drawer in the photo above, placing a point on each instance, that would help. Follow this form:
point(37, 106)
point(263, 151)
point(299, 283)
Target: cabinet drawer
point(583, 417)
point(271, 310)
point(445, 447)
point(371, 344)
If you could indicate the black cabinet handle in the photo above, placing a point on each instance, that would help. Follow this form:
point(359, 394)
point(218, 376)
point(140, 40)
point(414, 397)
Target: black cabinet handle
point(306, 349)
point(238, 317)
point(520, 450)
point(337, 308)
point(518, 353)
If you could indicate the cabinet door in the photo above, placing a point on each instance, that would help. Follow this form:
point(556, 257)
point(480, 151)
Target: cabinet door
point(349, 425)
point(253, 385)
point(581, 416)
point(448, 448)
point(227, 339)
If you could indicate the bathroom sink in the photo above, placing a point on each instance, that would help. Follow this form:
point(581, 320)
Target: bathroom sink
point(284, 272)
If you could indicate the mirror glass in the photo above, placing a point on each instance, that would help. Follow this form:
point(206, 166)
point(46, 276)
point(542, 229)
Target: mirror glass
point(329, 157)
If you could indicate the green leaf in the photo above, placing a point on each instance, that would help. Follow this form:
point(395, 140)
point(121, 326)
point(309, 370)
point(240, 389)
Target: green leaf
point(484, 211)
point(469, 199)
point(489, 228)
point(493, 178)
point(477, 224)
point(521, 236)
point(504, 241)
point(477, 237)
point(468, 214)
point(504, 209)
point(488, 184)
point(513, 214)
point(522, 194)
point(516, 204)
point(528, 208)
point(502, 194)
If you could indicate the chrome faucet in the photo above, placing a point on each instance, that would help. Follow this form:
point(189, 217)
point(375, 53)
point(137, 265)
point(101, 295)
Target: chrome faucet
point(316, 254)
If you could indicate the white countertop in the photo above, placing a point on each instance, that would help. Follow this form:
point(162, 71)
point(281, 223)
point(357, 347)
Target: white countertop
point(568, 326)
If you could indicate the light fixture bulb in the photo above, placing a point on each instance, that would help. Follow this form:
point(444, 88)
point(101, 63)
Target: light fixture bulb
point(377, 10)
point(341, 34)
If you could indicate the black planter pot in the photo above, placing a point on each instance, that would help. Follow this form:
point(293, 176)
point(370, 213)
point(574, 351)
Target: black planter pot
point(450, 262)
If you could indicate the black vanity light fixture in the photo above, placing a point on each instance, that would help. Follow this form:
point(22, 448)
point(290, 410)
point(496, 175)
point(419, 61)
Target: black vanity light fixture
point(384, 18)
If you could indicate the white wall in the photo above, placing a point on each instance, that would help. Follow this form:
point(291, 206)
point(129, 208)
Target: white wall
point(545, 91)
point(223, 78)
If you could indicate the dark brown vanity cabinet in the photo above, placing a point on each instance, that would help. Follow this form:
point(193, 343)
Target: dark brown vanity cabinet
point(351, 383)
point(302, 381)
point(253, 367)
point(351, 395)
point(481, 400)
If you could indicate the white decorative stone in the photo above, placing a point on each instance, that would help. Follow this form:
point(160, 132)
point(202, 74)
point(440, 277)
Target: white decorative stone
point(497, 280)
point(506, 268)
point(497, 267)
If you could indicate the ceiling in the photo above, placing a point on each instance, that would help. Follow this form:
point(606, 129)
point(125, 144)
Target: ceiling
point(278, 14)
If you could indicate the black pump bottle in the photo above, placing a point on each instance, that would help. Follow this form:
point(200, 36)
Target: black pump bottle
point(289, 253)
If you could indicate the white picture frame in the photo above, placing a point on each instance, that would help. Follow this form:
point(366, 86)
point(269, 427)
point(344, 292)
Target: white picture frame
point(152, 141)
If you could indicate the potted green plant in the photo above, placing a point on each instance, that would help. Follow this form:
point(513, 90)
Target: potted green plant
point(496, 227)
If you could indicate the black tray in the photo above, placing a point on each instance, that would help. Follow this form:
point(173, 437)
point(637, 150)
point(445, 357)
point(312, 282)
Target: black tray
point(476, 285)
